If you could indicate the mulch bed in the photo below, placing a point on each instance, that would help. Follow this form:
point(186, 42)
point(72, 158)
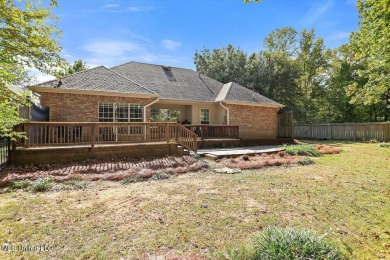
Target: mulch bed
point(101, 170)
point(258, 161)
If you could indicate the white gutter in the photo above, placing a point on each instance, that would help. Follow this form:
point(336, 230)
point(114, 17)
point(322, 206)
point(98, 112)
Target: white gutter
point(227, 112)
point(148, 105)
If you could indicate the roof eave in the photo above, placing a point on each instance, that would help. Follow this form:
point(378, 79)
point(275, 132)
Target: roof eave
point(88, 92)
point(277, 105)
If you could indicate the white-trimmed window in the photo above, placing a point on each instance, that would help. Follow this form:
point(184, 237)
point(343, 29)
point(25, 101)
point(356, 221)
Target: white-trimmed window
point(120, 112)
point(204, 116)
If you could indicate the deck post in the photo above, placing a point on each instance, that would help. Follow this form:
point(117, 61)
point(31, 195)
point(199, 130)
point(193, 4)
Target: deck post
point(27, 139)
point(93, 135)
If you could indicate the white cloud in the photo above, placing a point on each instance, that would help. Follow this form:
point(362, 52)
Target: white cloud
point(170, 45)
point(316, 11)
point(112, 48)
point(39, 77)
point(116, 8)
point(114, 52)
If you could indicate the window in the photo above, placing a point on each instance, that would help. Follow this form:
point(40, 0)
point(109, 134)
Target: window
point(165, 115)
point(106, 112)
point(204, 116)
point(123, 112)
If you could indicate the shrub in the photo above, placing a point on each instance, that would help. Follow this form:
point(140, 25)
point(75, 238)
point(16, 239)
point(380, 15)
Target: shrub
point(41, 185)
point(22, 184)
point(159, 176)
point(385, 145)
point(76, 183)
point(286, 243)
point(306, 161)
point(302, 149)
point(132, 180)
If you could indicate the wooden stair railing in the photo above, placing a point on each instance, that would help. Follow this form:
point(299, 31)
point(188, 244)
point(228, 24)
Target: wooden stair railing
point(186, 138)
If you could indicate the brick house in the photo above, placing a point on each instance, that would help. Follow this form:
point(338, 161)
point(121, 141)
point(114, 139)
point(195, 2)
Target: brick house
point(139, 92)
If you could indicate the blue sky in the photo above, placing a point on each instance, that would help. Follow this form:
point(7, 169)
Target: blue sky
point(112, 32)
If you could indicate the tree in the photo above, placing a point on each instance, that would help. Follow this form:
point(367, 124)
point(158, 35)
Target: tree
point(28, 38)
point(225, 65)
point(68, 69)
point(312, 59)
point(371, 46)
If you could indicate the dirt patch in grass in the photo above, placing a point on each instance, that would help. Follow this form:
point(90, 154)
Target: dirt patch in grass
point(102, 170)
point(327, 149)
point(259, 161)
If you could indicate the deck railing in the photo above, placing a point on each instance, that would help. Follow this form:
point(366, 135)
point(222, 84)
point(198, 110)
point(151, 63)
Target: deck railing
point(43, 134)
point(214, 131)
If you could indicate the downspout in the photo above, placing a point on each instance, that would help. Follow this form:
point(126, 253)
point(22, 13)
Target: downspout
point(148, 105)
point(227, 112)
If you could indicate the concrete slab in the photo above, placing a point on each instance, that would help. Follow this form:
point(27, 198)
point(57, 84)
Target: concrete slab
point(221, 152)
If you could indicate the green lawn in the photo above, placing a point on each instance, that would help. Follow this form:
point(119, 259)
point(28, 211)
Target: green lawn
point(344, 196)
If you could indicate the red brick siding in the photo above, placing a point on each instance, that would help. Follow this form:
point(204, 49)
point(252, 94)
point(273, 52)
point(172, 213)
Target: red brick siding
point(82, 108)
point(255, 122)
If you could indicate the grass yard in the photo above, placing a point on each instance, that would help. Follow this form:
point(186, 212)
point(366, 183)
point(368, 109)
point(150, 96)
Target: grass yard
point(345, 196)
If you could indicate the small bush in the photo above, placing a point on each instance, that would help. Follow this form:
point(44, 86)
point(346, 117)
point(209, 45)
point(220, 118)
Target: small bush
point(159, 176)
point(302, 149)
point(132, 180)
point(22, 184)
point(76, 183)
point(306, 161)
point(41, 185)
point(385, 145)
point(286, 243)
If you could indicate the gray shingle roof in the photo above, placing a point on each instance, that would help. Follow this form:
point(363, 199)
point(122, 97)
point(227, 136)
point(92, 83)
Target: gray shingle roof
point(97, 79)
point(187, 85)
point(242, 94)
point(167, 82)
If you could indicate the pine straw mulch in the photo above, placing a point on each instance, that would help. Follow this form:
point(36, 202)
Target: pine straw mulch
point(258, 161)
point(102, 170)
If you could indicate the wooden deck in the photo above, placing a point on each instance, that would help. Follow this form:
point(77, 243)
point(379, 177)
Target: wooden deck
point(58, 154)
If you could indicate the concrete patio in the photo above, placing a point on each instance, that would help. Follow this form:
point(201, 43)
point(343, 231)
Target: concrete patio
point(236, 151)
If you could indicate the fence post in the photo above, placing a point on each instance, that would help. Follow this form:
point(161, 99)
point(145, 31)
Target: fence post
point(387, 138)
point(331, 131)
point(311, 131)
point(354, 131)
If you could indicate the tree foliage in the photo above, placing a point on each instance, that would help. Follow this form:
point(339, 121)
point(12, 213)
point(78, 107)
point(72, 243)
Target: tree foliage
point(371, 48)
point(297, 70)
point(28, 38)
point(68, 69)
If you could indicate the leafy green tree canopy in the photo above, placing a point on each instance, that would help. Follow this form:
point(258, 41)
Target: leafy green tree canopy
point(371, 48)
point(68, 69)
point(28, 38)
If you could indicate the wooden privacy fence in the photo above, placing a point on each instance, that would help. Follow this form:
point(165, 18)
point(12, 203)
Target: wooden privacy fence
point(344, 131)
point(43, 134)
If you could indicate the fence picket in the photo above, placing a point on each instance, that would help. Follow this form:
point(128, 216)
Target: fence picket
point(344, 131)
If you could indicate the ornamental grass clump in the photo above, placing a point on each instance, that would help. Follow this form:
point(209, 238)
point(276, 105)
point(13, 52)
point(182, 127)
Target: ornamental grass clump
point(275, 243)
point(42, 185)
point(302, 149)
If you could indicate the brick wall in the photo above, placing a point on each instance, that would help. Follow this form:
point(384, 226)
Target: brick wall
point(82, 108)
point(255, 122)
